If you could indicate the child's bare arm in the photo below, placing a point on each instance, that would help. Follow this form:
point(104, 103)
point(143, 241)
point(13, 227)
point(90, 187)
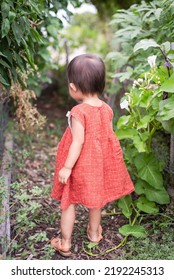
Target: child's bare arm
point(76, 145)
point(74, 150)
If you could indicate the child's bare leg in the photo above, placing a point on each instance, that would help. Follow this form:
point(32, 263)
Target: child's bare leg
point(94, 222)
point(67, 224)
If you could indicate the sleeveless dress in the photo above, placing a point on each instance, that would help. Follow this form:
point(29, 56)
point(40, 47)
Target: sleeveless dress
point(99, 176)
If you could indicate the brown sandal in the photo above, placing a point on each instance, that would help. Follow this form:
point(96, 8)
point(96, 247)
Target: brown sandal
point(99, 236)
point(56, 244)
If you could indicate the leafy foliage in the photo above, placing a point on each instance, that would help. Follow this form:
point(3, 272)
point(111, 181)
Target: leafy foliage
point(26, 29)
point(149, 102)
point(137, 27)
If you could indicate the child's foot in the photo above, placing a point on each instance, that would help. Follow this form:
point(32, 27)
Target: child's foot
point(95, 239)
point(63, 249)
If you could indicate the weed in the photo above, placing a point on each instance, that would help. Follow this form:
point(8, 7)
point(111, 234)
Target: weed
point(26, 208)
point(159, 244)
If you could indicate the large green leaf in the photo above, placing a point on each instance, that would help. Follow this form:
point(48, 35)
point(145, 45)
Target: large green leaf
point(125, 204)
point(168, 85)
point(141, 187)
point(136, 231)
point(147, 206)
point(157, 195)
point(145, 44)
point(149, 169)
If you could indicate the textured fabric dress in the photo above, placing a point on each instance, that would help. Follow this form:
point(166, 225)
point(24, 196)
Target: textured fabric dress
point(99, 175)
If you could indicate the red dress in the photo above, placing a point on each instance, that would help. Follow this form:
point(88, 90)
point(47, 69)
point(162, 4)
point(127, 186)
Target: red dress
point(99, 175)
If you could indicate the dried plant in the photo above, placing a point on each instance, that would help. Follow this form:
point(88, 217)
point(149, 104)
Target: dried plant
point(27, 115)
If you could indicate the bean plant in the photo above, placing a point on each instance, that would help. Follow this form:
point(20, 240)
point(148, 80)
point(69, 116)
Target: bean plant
point(148, 104)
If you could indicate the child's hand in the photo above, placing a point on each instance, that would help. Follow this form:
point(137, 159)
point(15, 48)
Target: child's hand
point(64, 174)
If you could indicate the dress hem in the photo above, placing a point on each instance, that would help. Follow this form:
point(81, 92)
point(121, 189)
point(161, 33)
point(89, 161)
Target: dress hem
point(94, 207)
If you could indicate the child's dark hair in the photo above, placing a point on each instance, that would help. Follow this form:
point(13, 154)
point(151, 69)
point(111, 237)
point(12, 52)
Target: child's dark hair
point(87, 73)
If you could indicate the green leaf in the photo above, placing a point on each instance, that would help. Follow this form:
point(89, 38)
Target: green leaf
point(52, 30)
point(124, 75)
point(141, 187)
point(146, 206)
point(19, 61)
point(12, 16)
point(168, 85)
point(35, 7)
point(5, 8)
point(125, 204)
point(123, 120)
point(166, 46)
point(135, 230)
point(159, 195)
point(144, 122)
point(145, 44)
point(126, 133)
point(5, 27)
point(2, 62)
point(8, 55)
point(17, 31)
point(149, 170)
point(145, 135)
point(3, 81)
point(92, 245)
point(139, 144)
point(131, 133)
point(168, 125)
point(2, 54)
point(166, 111)
point(28, 53)
point(36, 36)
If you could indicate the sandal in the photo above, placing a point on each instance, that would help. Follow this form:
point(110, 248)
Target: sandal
point(57, 245)
point(99, 236)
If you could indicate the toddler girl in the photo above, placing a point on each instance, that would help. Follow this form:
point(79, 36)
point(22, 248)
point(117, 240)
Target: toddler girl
point(89, 166)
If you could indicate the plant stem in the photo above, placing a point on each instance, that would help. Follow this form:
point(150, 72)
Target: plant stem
point(150, 139)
